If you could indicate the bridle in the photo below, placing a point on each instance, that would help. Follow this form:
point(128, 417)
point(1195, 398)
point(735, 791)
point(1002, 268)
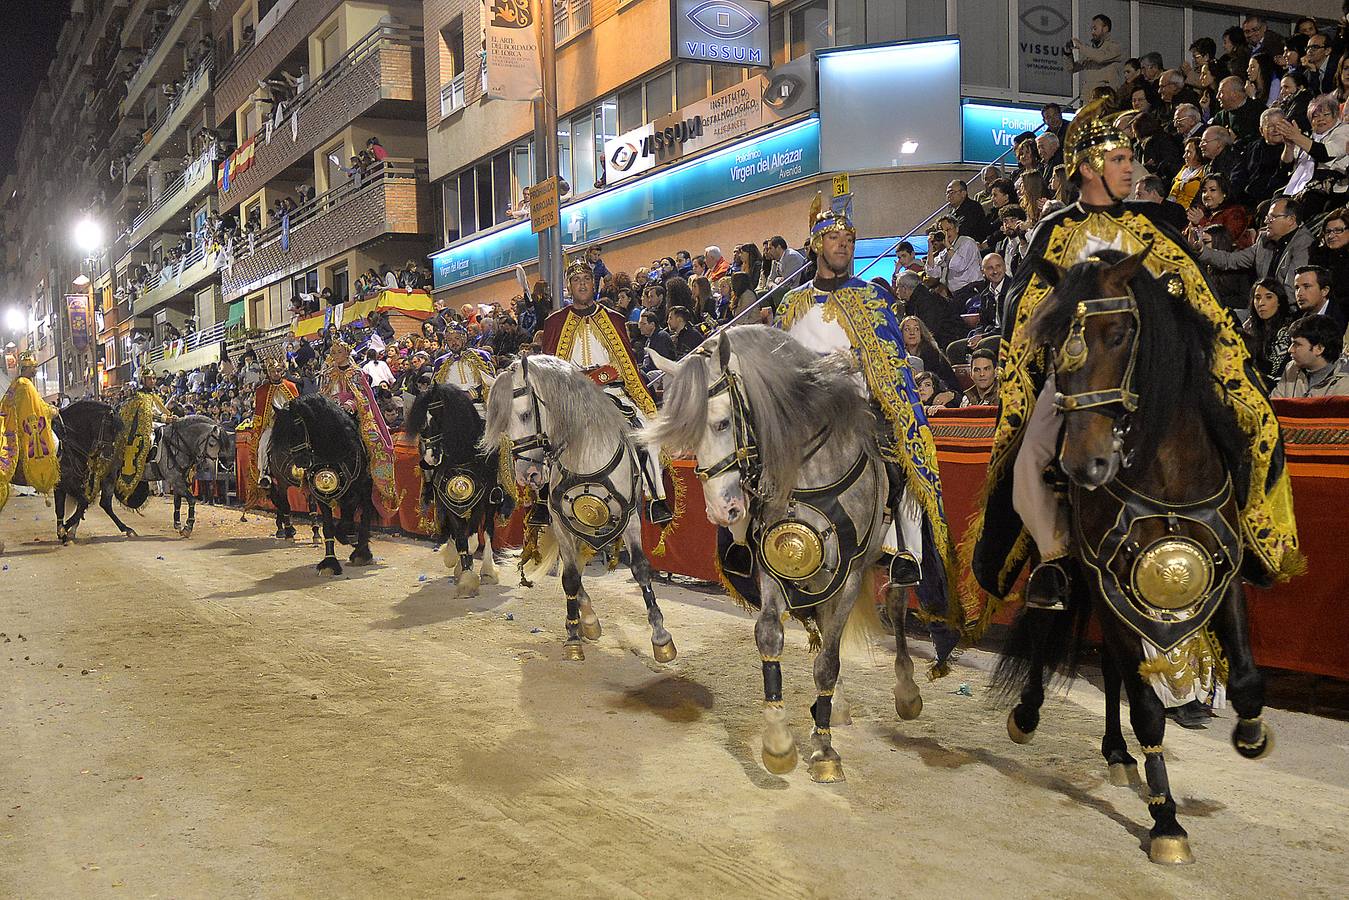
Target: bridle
point(1118, 403)
point(744, 457)
point(537, 442)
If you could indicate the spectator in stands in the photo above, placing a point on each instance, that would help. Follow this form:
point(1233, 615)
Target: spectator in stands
point(1294, 98)
point(1332, 254)
point(1236, 52)
point(1150, 189)
point(786, 263)
point(966, 211)
point(1158, 150)
point(1239, 113)
point(1099, 59)
point(1280, 250)
point(1030, 194)
point(984, 375)
point(1259, 39)
point(906, 259)
point(983, 312)
point(1014, 244)
point(1262, 82)
point(1326, 148)
point(376, 149)
point(1052, 115)
point(1027, 153)
point(1187, 122)
point(934, 393)
point(1151, 65)
point(376, 369)
point(742, 290)
point(956, 264)
point(918, 341)
point(1311, 290)
point(1267, 329)
point(1312, 371)
point(1051, 151)
point(646, 331)
point(1216, 206)
point(717, 265)
point(1262, 172)
point(936, 313)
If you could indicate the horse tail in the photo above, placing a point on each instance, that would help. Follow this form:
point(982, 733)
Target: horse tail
point(546, 557)
point(1053, 640)
point(864, 621)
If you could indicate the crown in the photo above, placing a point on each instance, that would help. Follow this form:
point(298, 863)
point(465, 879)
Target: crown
point(1090, 136)
point(837, 217)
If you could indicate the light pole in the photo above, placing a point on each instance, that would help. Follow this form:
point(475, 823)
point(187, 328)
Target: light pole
point(545, 148)
point(88, 237)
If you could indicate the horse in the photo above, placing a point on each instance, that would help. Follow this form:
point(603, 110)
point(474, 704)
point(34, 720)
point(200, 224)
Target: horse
point(1153, 461)
point(787, 453)
point(88, 431)
point(568, 436)
point(459, 479)
point(184, 444)
point(316, 446)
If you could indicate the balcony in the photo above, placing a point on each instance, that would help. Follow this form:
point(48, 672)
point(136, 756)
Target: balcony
point(192, 94)
point(154, 59)
point(195, 269)
point(392, 201)
point(200, 348)
point(378, 75)
point(281, 31)
point(195, 180)
point(452, 96)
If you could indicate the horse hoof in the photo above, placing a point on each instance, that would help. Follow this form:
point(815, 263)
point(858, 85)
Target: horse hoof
point(186, 533)
point(779, 764)
point(358, 558)
point(1015, 733)
point(908, 710)
point(1123, 774)
point(664, 653)
point(826, 771)
point(573, 652)
point(467, 586)
point(329, 566)
point(489, 577)
point(128, 532)
point(1257, 749)
point(1170, 851)
point(591, 629)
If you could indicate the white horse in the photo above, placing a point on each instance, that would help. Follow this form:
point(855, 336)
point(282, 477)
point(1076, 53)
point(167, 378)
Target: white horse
point(786, 450)
point(568, 438)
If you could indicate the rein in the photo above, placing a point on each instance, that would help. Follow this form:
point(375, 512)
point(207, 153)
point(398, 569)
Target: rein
point(1072, 356)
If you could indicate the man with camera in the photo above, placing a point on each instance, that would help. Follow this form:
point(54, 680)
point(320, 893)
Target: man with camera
point(1101, 61)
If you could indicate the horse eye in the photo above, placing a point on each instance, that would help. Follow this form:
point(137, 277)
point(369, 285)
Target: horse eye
point(524, 417)
point(1117, 339)
point(722, 425)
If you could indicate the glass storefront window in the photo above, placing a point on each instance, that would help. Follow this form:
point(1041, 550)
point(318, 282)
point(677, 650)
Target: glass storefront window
point(630, 109)
point(501, 186)
point(724, 77)
point(809, 28)
point(583, 154)
point(1161, 29)
point(690, 82)
point(468, 210)
point(659, 97)
point(988, 33)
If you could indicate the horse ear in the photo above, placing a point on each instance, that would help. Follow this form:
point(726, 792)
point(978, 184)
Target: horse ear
point(668, 366)
point(1122, 272)
point(723, 352)
point(1050, 272)
point(524, 367)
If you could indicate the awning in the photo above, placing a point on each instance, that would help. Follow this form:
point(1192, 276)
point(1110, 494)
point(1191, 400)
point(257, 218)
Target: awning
point(415, 304)
point(236, 313)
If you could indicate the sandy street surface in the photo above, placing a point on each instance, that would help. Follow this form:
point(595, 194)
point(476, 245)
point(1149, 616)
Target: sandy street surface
point(207, 718)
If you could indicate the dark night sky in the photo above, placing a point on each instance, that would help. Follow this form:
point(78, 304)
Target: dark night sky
point(27, 44)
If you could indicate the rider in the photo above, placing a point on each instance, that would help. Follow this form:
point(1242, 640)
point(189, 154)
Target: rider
point(27, 445)
point(348, 387)
point(596, 339)
point(462, 366)
point(837, 311)
point(1023, 513)
point(275, 388)
point(143, 414)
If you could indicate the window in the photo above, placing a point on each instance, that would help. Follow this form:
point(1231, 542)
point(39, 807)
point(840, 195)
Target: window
point(452, 50)
point(449, 209)
point(339, 281)
point(809, 28)
point(724, 77)
point(691, 82)
point(659, 96)
point(570, 17)
point(333, 164)
point(988, 66)
point(1161, 29)
point(468, 210)
point(630, 112)
point(522, 170)
point(501, 186)
point(330, 45)
point(482, 176)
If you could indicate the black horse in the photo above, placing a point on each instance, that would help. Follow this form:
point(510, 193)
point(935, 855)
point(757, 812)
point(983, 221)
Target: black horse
point(1156, 466)
point(458, 479)
point(316, 446)
point(88, 432)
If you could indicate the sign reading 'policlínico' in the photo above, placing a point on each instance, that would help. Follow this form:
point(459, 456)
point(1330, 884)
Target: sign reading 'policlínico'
point(725, 31)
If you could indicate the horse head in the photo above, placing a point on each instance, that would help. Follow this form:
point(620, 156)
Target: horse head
point(1090, 325)
point(709, 424)
point(515, 415)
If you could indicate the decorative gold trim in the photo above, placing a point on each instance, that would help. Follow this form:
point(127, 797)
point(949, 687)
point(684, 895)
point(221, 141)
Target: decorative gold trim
point(1157, 800)
point(633, 385)
point(1156, 749)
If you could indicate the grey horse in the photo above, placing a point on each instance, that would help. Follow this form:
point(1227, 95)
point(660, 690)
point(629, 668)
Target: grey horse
point(791, 472)
point(569, 438)
point(185, 445)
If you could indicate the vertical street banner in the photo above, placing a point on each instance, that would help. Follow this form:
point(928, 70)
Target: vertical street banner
point(512, 39)
point(77, 309)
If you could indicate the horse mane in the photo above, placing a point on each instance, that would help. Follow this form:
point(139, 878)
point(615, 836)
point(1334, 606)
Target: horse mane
point(580, 415)
point(1176, 346)
point(457, 420)
point(792, 393)
point(324, 419)
point(83, 418)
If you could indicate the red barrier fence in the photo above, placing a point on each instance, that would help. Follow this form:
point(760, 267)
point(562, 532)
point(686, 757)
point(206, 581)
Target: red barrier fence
point(1301, 625)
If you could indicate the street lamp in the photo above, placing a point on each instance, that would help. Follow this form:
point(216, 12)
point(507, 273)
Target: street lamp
point(88, 236)
point(15, 320)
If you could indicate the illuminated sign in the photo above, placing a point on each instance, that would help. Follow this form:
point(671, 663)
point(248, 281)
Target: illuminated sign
point(990, 128)
point(724, 31)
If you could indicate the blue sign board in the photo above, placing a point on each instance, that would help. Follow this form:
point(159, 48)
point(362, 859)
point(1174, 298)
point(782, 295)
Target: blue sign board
point(989, 128)
point(748, 167)
point(722, 31)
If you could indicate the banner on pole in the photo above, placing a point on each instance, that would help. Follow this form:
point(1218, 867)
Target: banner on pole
point(513, 71)
point(77, 308)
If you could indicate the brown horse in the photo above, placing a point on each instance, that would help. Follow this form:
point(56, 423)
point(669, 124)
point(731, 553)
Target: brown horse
point(1155, 468)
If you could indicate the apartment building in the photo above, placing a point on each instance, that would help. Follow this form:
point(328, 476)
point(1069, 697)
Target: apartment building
point(301, 87)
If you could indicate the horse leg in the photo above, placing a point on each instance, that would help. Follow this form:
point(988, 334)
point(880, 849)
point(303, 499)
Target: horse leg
point(1025, 716)
point(1252, 737)
point(468, 579)
point(177, 511)
point(488, 569)
point(329, 564)
point(360, 553)
point(1170, 843)
point(908, 700)
point(73, 523)
point(825, 765)
point(571, 587)
point(1123, 768)
point(62, 533)
point(662, 644)
point(105, 503)
point(314, 519)
point(840, 710)
point(191, 513)
point(281, 503)
point(779, 750)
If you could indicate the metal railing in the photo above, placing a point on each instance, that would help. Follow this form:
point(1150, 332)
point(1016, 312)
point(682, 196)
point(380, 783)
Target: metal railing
point(186, 177)
point(202, 71)
point(172, 271)
point(452, 96)
point(569, 17)
point(391, 170)
point(160, 43)
point(189, 342)
point(376, 38)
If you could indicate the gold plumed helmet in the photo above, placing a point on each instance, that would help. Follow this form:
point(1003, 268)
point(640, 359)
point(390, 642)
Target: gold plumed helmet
point(339, 352)
point(579, 267)
point(836, 217)
point(272, 365)
point(28, 360)
point(147, 372)
point(1091, 135)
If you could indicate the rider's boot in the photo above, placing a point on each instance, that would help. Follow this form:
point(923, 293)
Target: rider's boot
point(658, 510)
point(1049, 585)
point(538, 512)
